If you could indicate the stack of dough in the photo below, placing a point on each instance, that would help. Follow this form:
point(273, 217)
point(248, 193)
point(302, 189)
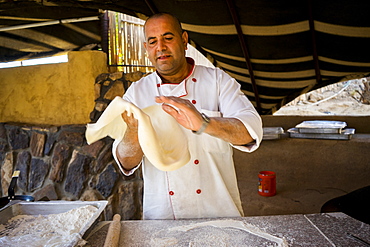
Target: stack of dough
point(161, 138)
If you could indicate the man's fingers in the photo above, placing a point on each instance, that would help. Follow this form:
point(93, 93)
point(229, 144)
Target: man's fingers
point(177, 103)
point(172, 100)
point(169, 109)
point(130, 120)
point(124, 115)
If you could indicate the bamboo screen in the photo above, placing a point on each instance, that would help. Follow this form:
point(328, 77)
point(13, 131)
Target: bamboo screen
point(126, 49)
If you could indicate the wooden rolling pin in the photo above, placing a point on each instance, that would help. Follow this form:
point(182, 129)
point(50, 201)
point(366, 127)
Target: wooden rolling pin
point(114, 231)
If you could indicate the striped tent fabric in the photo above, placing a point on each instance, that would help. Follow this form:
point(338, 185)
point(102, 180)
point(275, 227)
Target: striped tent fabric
point(279, 49)
point(28, 30)
point(276, 50)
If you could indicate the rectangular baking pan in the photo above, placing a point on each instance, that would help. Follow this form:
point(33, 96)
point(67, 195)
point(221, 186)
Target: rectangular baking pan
point(272, 133)
point(321, 127)
point(52, 207)
point(346, 134)
point(316, 124)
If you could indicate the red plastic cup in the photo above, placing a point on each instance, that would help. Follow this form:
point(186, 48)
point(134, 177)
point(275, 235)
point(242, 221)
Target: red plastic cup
point(267, 183)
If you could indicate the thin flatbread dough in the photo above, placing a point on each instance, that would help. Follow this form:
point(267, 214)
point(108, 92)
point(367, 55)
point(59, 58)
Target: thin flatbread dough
point(161, 138)
point(229, 223)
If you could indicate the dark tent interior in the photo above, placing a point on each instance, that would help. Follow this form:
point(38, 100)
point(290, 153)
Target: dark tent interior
point(275, 49)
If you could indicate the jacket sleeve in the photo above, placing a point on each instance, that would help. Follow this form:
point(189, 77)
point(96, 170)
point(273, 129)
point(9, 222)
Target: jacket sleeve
point(235, 104)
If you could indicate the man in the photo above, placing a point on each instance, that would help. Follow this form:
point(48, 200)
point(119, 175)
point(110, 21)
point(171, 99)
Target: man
point(209, 104)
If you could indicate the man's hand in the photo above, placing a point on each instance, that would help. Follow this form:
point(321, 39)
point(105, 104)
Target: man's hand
point(182, 110)
point(231, 130)
point(131, 121)
point(129, 152)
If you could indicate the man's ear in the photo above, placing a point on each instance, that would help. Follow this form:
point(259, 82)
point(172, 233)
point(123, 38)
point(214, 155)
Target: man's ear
point(185, 38)
point(144, 45)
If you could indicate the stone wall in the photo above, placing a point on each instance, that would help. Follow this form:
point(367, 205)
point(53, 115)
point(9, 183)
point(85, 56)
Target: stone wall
point(55, 163)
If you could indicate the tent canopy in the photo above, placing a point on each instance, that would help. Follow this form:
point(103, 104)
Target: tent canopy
point(275, 49)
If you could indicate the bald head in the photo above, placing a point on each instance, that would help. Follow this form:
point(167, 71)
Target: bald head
point(175, 22)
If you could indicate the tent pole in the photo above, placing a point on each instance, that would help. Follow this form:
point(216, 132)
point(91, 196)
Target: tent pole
point(244, 47)
point(104, 28)
point(49, 23)
point(151, 6)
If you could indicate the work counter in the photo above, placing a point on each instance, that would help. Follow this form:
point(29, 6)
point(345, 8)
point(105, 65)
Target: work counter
point(329, 229)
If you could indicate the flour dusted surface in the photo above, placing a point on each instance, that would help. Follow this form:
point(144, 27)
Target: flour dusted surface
point(46, 230)
point(189, 233)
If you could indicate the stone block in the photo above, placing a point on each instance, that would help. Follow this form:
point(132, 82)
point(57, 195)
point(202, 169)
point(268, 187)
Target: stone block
point(107, 179)
point(6, 173)
point(101, 77)
point(46, 129)
point(23, 165)
point(78, 128)
point(94, 116)
point(59, 160)
point(109, 85)
point(92, 182)
point(94, 148)
point(97, 88)
point(77, 173)
point(18, 138)
point(129, 207)
point(90, 195)
point(109, 210)
point(37, 144)
point(104, 158)
point(49, 144)
point(106, 83)
point(3, 148)
point(100, 106)
point(47, 193)
point(71, 138)
point(116, 89)
point(38, 171)
point(3, 132)
point(116, 75)
point(134, 76)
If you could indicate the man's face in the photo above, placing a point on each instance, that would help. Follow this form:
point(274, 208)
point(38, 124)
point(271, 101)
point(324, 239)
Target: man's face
point(165, 45)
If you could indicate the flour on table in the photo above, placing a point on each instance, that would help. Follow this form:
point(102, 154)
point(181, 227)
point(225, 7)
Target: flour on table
point(161, 242)
point(215, 233)
point(46, 230)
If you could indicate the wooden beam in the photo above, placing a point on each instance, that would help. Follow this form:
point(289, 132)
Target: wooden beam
point(313, 42)
point(151, 6)
point(104, 31)
point(243, 44)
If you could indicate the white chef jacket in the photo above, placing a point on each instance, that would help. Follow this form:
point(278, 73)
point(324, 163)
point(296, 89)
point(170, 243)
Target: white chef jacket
point(206, 186)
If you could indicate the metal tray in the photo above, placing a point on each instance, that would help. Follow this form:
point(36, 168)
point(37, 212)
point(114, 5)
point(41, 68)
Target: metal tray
point(322, 124)
point(346, 134)
point(272, 133)
point(52, 207)
point(320, 130)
